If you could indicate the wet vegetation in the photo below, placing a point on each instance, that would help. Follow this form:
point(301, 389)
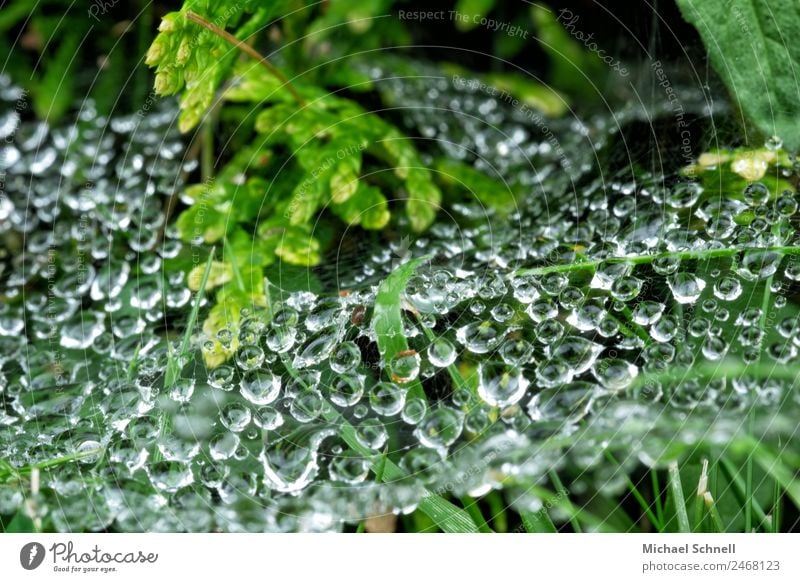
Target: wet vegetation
point(282, 266)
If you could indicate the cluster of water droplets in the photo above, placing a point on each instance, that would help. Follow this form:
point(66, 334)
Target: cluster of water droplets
point(632, 306)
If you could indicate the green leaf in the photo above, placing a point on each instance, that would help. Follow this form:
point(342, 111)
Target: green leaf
point(367, 207)
point(192, 59)
point(751, 44)
point(20, 523)
point(306, 199)
point(203, 221)
point(471, 12)
point(273, 119)
point(13, 14)
point(297, 247)
point(54, 92)
point(247, 250)
point(491, 192)
point(387, 320)
point(344, 179)
point(574, 69)
point(537, 522)
point(424, 198)
point(175, 363)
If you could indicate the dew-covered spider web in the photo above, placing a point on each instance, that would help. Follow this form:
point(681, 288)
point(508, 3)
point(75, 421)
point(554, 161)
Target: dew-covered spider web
point(623, 309)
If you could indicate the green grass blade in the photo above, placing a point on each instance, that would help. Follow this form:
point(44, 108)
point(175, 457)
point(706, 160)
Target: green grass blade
point(498, 511)
point(20, 523)
point(677, 496)
point(174, 365)
point(560, 500)
point(387, 320)
point(227, 250)
point(716, 520)
point(133, 364)
point(777, 469)
point(537, 522)
point(657, 496)
point(737, 484)
point(573, 513)
point(646, 507)
point(471, 506)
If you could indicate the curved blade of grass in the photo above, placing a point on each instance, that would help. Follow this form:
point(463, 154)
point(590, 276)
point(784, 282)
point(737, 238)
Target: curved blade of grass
point(174, 364)
point(497, 507)
point(563, 491)
point(774, 466)
point(647, 508)
point(387, 320)
point(573, 512)
point(471, 506)
point(701, 254)
point(738, 488)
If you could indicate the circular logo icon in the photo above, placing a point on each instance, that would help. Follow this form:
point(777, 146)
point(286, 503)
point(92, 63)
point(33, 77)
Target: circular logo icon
point(31, 555)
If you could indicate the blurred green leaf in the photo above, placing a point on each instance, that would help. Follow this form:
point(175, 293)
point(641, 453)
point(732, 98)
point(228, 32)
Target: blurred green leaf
point(473, 11)
point(54, 92)
point(751, 44)
point(574, 69)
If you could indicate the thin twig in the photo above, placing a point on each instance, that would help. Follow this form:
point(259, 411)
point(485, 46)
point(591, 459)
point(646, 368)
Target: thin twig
point(247, 49)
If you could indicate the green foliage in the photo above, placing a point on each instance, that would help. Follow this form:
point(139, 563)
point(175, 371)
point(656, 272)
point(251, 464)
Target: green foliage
point(195, 61)
point(62, 51)
point(387, 321)
point(314, 152)
point(751, 46)
point(475, 9)
point(574, 69)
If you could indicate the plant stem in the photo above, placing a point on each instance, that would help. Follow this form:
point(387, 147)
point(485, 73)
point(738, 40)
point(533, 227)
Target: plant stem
point(207, 153)
point(776, 502)
point(657, 495)
point(647, 259)
point(739, 489)
point(237, 273)
point(538, 522)
point(646, 507)
point(561, 490)
point(471, 506)
point(716, 520)
point(498, 515)
point(248, 50)
point(143, 38)
point(455, 375)
point(677, 497)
